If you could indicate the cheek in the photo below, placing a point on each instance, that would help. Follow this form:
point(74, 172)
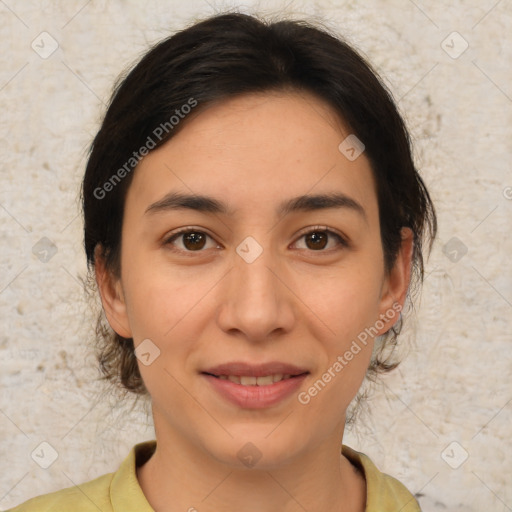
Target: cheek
point(157, 296)
point(348, 305)
point(345, 302)
point(348, 309)
point(148, 307)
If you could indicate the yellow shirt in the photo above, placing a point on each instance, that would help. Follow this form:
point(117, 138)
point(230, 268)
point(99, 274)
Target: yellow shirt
point(121, 492)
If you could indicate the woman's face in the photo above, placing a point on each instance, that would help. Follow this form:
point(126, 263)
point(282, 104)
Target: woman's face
point(281, 273)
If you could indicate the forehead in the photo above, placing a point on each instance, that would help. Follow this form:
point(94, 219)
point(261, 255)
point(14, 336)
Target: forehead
point(253, 150)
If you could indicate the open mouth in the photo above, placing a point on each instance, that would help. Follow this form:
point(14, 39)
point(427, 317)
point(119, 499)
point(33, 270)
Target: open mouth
point(255, 385)
point(251, 380)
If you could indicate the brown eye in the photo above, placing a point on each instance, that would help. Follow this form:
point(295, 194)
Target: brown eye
point(318, 239)
point(194, 241)
point(191, 241)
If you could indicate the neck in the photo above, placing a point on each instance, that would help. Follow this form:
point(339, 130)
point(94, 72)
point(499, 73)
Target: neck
point(181, 477)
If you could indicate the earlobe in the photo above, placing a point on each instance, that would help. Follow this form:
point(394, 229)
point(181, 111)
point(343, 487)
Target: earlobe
point(112, 297)
point(396, 284)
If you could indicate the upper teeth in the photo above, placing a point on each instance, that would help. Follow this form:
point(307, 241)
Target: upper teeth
point(255, 381)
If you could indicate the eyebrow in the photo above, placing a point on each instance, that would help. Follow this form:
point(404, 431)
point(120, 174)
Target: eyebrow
point(207, 204)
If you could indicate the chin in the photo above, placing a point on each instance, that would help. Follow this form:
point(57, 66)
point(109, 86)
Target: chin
point(258, 447)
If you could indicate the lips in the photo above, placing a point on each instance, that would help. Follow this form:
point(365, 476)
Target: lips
point(248, 380)
point(255, 386)
point(240, 369)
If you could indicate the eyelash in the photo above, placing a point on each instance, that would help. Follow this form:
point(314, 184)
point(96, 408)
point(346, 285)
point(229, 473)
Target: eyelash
point(324, 229)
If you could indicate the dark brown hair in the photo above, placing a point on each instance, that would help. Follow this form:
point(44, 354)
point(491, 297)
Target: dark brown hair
point(221, 57)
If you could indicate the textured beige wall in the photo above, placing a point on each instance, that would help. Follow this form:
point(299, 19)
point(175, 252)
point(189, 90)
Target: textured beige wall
point(451, 398)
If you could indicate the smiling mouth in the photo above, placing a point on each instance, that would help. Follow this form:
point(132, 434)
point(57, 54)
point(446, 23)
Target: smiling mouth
point(255, 385)
point(251, 380)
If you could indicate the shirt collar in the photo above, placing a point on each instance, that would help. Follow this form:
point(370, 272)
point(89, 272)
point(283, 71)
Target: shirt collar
point(125, 490)
point(381, 488)
point(126, 493)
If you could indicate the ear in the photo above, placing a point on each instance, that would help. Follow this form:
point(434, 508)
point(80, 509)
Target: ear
point(112, 297)
point(396, 283)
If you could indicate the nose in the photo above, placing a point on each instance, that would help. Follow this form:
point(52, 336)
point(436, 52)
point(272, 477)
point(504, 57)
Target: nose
point(257, 304)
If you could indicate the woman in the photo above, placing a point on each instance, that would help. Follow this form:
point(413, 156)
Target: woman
point(254, 221)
